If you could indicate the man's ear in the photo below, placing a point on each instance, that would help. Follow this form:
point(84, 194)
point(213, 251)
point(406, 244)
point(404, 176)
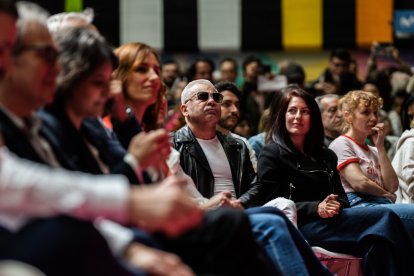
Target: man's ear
point(184, 110)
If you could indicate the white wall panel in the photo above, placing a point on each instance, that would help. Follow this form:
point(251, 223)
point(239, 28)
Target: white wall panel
point(142, 20)
point(219, 24)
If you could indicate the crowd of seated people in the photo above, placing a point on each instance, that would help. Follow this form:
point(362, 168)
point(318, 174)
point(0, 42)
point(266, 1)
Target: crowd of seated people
point(114, 163)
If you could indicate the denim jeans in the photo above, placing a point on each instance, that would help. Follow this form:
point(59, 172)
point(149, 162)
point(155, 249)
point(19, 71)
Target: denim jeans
point(283, 243)
point(360, 200)
point(404, 211)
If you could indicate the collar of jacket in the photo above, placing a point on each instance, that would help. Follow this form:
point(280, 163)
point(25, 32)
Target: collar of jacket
point(185, 135)
point(185, 139)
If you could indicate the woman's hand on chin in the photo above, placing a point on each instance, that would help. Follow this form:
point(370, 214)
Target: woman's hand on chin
point(377, 134)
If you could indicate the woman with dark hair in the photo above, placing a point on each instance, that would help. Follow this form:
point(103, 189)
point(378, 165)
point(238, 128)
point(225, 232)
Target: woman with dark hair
point(403, 162)
point(296, 165)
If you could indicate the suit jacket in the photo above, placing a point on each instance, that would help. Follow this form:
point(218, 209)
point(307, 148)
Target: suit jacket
point(18, 141)
point(71, 144)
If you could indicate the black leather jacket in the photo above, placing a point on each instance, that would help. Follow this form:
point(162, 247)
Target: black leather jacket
point(307, 181)
point(195, 164)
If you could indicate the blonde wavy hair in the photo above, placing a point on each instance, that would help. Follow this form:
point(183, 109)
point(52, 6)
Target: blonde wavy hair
point(352, 100)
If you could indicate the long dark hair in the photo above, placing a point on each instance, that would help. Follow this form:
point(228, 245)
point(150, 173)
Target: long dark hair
point(279, 133)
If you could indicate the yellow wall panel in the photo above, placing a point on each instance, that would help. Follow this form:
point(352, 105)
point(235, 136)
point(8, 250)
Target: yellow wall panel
point(373, 21)
point(301, 24)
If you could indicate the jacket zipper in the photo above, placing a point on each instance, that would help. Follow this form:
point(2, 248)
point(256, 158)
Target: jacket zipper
point(291, 188)
point(329, 173)
point(240, 173)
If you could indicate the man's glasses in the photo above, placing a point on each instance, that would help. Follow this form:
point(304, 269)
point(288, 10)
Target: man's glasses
point(47, 52)
point(204, 96)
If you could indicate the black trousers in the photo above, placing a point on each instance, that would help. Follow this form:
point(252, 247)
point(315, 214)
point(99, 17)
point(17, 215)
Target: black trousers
point(222, 245)
point(61, 246)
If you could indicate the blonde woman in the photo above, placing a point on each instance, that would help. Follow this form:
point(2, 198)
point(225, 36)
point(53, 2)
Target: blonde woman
point(366, 172)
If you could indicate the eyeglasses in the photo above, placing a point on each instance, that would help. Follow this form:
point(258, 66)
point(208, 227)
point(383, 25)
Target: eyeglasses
point(47, 52)
point(204, 96)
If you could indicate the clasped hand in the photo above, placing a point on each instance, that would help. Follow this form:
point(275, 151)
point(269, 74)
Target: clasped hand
point(329, 207)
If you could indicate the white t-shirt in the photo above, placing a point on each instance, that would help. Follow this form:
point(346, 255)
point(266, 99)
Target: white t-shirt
point(217, 160)
point(349, 151)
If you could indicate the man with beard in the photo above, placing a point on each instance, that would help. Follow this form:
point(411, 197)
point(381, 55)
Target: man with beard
point(230, 114)
point(331, 116)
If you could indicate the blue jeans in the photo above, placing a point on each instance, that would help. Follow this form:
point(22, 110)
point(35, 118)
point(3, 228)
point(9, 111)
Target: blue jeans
point(283, 243)
point(375, 234)
point(404, 211)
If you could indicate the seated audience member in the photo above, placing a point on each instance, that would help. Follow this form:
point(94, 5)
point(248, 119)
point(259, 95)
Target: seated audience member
point(33, 232)
point(228, 69)
point(215, 227)
point(293, 71)
point(145, 105)
point(337, 78)
point(230, 114)
point(395, 113)
point(403, 159)
point(253, 101)
point(365, 171)
point(141, 89)
point(170, 72)
point(332, 119)
point(177, 89)
point(252, 67)
point(43, 235)
point(201, 68)
point(115, 105)
point(296, 165)
point(257, 141)
point(220, 167)
point(138, 97)
point(244, 127)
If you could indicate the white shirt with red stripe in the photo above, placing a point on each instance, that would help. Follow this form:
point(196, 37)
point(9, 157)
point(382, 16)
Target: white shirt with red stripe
point(350, 151)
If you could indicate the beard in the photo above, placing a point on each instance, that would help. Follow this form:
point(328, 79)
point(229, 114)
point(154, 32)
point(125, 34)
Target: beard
point(224, 124)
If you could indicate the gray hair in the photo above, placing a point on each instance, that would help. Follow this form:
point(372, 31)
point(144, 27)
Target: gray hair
point(319, 99)
point(57, 21)
point(29, 13)
point(188, 91)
